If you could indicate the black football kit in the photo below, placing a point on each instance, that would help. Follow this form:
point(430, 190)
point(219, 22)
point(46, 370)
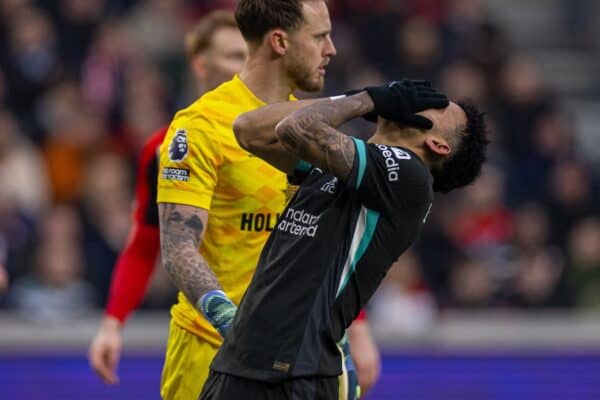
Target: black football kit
point(330, 250)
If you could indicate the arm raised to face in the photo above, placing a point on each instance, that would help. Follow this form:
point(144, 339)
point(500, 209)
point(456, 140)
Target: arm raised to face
point(310, 133)
point(284, 133)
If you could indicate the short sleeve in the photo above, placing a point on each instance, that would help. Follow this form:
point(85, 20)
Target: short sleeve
point(190, 157)
point(389, 179)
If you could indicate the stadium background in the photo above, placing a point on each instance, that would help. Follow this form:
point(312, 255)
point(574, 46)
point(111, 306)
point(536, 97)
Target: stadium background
point(499, 298)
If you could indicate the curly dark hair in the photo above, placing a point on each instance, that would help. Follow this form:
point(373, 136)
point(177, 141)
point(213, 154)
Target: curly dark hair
point(465, 165)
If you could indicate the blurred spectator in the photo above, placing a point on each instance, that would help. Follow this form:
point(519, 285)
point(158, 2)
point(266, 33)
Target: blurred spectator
point(471, 284)
point(32, 60)
point(144, 108)
point(74, 133)
point(3, 90)
point(463, 80)
point(418, 49)
point(522, 101)
point(467, 31)
point(553, 137)
point(55, 292)
point(433, 10)
point(569, 199)
point(482, 223)
point(577, 19)
point(16, 237)
point(157, 29)
point(376, 25)
point(531, 231)
point(78, 21)
point(3, 280)
point(109, 55)
point(584, 263)
point(106, 209)
point(538, 282)
point(23, 197)
point(22, 172)
point(551, 142)
point(402, 304)
point(8, 8)
point(83, 82)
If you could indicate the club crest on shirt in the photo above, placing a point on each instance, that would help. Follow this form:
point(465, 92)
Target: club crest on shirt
point(329, 186)
point(400, 154)
point(178, 149)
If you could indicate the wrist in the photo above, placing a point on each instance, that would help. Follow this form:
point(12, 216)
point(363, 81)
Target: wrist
point(204, 301)
point(361, 102)
point(367, 103)
point(111, 322)
point(218, 309)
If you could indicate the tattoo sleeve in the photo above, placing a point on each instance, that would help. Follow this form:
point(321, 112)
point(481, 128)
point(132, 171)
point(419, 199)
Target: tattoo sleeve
point(181, 231)
point(310, 133)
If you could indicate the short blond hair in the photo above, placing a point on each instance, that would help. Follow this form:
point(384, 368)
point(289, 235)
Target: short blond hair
point(200, 37)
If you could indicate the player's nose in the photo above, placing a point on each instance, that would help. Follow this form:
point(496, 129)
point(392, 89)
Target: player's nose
point(330, 49)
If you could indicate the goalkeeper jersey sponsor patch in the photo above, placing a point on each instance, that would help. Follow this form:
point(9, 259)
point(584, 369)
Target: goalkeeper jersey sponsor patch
point(176, 174)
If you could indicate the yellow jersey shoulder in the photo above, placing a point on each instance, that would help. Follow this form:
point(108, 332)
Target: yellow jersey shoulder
point(223, 104)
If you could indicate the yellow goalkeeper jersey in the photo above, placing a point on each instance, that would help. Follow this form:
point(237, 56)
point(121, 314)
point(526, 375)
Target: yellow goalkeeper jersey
point(202, 165)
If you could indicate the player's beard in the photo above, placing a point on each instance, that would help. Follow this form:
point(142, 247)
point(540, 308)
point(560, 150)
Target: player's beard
point(306, 78)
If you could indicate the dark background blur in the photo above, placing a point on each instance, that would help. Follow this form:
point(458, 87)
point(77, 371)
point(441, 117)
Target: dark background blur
point(84, 82)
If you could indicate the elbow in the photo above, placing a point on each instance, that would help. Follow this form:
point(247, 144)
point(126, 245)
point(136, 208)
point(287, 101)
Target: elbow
point(284, 130)
point(241, 130)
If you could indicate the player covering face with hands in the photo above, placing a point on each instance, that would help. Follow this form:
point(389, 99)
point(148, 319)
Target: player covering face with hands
point(397, 101)
point(359, 207)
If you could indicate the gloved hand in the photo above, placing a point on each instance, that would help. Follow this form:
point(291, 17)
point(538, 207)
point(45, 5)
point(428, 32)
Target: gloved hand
point(352, 377)
point(218, 309)
point(399, 101)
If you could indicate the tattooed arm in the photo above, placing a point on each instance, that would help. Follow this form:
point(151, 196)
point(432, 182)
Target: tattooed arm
point(310, 135)
point(255, 132)
point(181, 230)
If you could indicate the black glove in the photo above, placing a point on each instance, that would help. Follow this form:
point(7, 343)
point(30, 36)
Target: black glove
point(399, 101)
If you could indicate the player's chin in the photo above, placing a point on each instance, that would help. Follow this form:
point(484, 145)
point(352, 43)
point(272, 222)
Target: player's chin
point(314, 85)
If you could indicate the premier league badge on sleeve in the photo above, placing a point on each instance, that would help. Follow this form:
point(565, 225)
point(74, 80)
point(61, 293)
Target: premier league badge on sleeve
point(178, 149)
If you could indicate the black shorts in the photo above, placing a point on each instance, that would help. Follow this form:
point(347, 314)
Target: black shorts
point(220, 386)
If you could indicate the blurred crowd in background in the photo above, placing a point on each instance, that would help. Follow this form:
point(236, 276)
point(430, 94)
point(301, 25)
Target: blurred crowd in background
point(83, 83)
